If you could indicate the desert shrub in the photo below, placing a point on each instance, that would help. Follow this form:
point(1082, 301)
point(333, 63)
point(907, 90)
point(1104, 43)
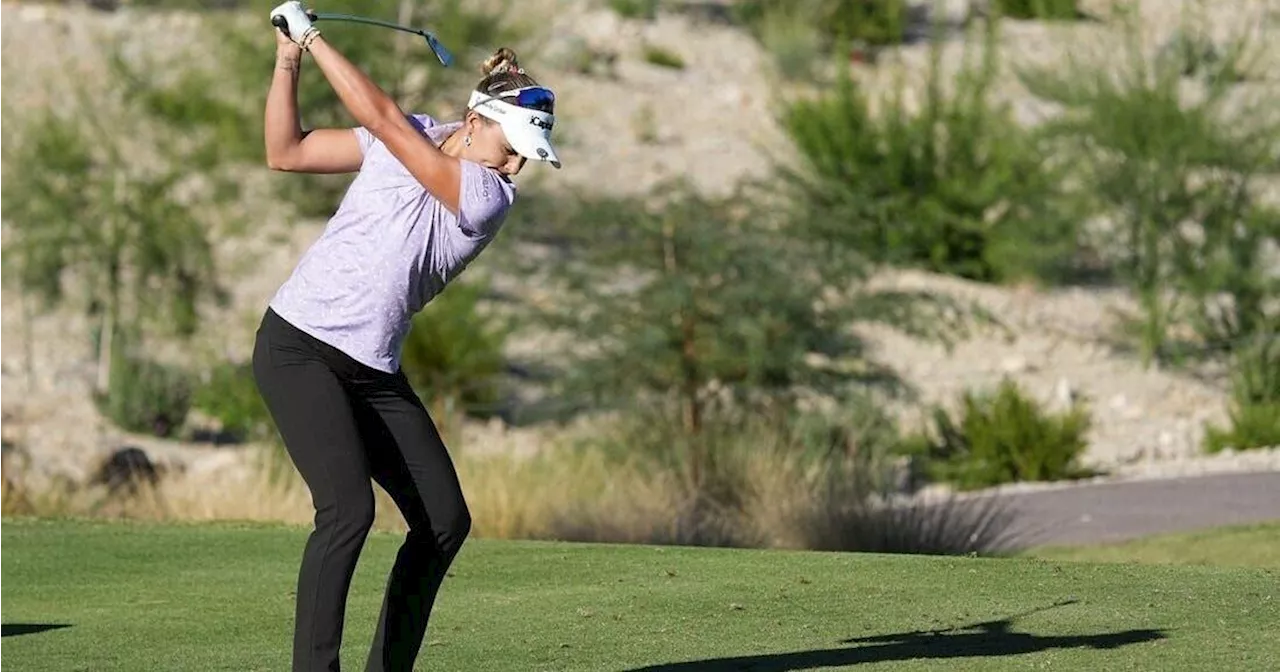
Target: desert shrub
point(228, 393)
point(1001, 437)
point(949, 526)
point(798, 479)
point(754, 479)
point(453, 354)
point(1038, 9)
point(703, 478)
point(858, 495)
point(1171, 168)
point(957, 187)
point(663, 58)
point(1255, 399)
point(145, 396)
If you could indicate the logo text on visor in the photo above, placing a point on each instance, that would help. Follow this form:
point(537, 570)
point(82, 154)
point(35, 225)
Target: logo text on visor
point(527, 117)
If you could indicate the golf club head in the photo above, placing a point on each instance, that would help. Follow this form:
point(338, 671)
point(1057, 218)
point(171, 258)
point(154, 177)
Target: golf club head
point(446, 58)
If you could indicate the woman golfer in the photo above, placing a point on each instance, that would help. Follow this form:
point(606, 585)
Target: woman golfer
point(428, 198)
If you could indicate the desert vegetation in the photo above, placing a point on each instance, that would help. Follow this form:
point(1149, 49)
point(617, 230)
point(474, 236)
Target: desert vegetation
point(692, 362)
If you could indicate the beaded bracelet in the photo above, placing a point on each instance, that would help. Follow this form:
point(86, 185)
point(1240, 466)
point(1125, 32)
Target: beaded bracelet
point(310, 36)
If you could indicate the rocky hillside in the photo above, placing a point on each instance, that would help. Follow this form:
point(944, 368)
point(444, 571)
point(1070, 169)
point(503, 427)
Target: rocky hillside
point(627, 124)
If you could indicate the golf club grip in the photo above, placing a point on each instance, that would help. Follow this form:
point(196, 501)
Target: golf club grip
point(283, 24)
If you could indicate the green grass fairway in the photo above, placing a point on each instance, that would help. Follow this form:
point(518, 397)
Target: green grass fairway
point(134, 597)
point(1244, 546)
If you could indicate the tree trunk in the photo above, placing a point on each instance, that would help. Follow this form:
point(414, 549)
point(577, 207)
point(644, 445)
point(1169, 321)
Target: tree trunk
point(28, 351)
point(110, 322)
point(691, 406)
point(404, 15)
point(689, 367)
point(104, 350)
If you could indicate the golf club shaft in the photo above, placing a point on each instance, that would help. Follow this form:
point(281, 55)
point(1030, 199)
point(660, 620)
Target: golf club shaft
point(442, 53)
point(323, 16)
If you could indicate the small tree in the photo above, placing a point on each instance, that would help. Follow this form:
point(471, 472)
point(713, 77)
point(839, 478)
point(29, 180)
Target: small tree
point(1177, 177)
point(698, 304)
point(87, 223)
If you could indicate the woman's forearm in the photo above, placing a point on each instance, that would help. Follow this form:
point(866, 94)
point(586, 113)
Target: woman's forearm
point(282, 126)
point(369, 104)
point(373, 109)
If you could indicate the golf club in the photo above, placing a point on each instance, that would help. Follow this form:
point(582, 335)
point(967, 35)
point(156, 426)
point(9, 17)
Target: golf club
point(442, 53)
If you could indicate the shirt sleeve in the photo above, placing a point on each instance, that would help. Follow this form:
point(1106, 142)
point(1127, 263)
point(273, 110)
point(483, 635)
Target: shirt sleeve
point(484, 199)
point(365, 138)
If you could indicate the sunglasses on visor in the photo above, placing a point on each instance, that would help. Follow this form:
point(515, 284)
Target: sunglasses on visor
point(533, 98)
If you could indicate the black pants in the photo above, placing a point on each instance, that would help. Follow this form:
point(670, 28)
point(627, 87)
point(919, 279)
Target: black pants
point(344, 425)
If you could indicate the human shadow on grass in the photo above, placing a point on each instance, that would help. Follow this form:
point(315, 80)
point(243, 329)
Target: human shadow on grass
point(16, 629)
point(986, 639)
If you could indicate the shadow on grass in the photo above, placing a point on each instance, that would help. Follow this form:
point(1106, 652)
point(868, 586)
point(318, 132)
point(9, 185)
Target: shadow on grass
point(16, 629)
point(987, 639)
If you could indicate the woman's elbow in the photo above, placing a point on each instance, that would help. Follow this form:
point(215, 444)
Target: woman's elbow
point(280, 161)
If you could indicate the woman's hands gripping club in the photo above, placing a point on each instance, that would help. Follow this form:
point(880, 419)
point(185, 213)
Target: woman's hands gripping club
point(295, 22)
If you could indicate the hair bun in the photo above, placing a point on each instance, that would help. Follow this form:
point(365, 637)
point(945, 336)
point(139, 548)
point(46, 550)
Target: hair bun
point(502, 60)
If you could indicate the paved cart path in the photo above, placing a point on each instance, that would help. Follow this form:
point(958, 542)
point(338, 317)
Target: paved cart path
point(1110, 512)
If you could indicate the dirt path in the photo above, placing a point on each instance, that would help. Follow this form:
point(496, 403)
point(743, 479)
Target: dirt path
point(1118, 511)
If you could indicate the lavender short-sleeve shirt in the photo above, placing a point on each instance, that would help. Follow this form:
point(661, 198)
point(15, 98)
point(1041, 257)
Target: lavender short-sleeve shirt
point(388, 249)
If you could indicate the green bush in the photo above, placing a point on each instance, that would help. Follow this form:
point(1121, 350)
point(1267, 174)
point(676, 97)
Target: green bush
point(1039, 9)
point(229, 393)
point(663, 58)
point(1255, 400)
point(1003, 437)
point(145, 397)
point(957, 187)
point(453, 353)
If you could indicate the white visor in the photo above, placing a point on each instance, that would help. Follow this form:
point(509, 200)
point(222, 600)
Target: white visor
point(528, 130)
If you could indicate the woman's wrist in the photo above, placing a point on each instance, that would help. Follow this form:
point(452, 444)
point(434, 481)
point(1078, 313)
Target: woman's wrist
point(289, 57)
